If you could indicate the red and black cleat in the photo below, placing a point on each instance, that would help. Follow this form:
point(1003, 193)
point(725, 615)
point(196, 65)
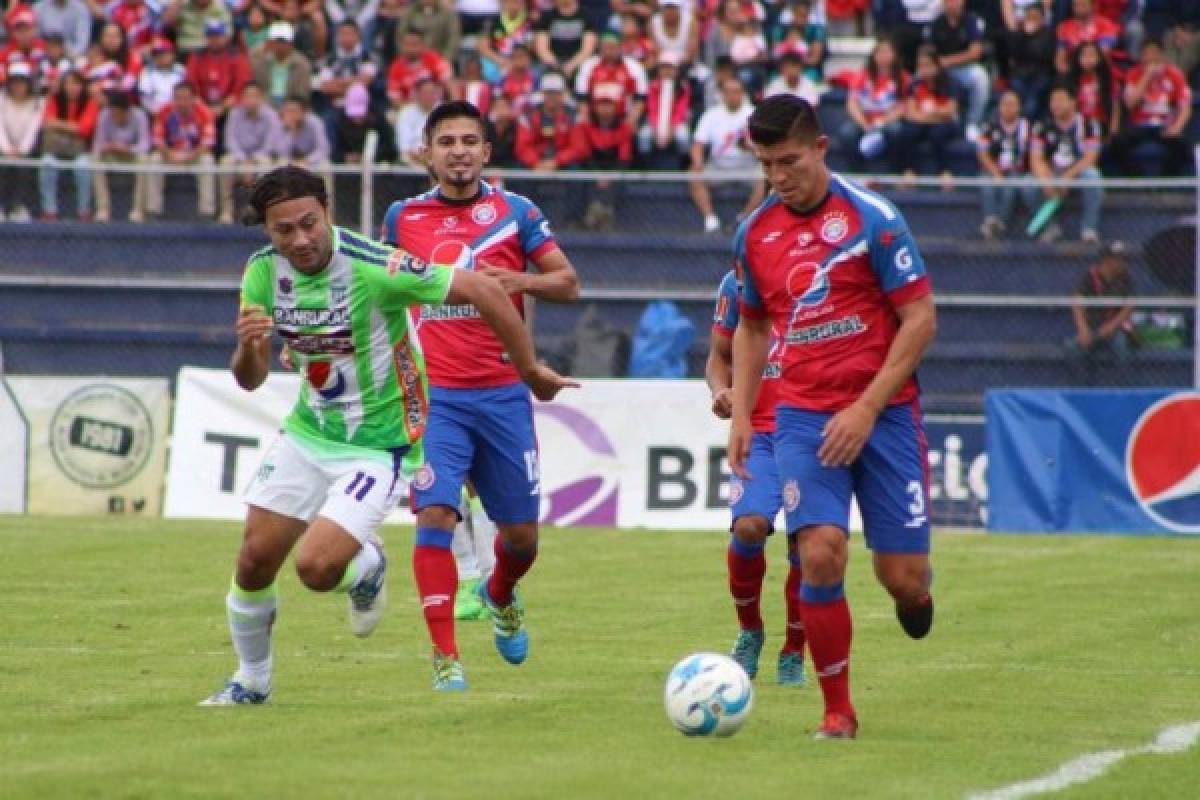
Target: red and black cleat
point(916, 620)
point(837, 726)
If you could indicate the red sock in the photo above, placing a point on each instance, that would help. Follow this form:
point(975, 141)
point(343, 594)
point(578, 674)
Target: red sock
point(747, 566)
point(829, 630)
point(511, 566)
point(437, 581)
point(794, 641)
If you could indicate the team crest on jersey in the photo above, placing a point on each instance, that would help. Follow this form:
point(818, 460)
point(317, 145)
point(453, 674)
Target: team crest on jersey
point(483, 214)
point(402, 261)
point(285, 285)
point(791, 496)
point(449, 222)
point(835, 227)
point(722, 309)
point(424, 478)
point(736, 491)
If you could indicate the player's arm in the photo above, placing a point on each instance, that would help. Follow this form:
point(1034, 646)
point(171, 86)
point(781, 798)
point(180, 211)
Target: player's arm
point(252, 357)
point(493, 304)
point(751, 343)
point(555, 281)
point(848, 430)
point(718, 373)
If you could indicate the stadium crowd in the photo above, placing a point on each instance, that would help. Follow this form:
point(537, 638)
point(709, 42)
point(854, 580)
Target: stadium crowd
point(1045, 87)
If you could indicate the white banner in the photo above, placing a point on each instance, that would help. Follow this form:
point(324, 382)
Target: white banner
point(83, 445)
point(614, 453)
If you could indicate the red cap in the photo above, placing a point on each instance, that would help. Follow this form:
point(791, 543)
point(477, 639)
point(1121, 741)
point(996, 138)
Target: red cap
point(161, 44)
point(21, 15)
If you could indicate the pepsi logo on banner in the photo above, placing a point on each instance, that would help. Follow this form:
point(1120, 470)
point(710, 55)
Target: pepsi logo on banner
point(1162, 462)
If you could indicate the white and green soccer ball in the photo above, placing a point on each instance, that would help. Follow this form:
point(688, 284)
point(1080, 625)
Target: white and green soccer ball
point(708, 694)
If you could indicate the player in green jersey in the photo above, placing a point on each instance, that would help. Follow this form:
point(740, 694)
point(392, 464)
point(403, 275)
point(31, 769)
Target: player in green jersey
point(341, 304)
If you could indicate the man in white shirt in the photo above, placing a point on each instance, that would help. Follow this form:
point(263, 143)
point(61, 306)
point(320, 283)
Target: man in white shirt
point(721, 135)
point(410, 122)
point(792, 80)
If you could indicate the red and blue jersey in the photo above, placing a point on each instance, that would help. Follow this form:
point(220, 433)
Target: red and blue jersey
point(830, 281)
point(725, 320)
point(501, 229)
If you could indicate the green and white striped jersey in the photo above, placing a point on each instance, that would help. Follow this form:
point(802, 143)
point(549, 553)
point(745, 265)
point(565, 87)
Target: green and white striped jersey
point(352, 337)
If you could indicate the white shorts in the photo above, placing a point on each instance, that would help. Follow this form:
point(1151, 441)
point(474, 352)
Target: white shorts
point(355, 493)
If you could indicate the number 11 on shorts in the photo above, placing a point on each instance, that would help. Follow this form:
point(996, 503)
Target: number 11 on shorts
point(367, 481)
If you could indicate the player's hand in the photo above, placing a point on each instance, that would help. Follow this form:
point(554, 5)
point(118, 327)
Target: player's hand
point(741, 434)
point(722, 404)
point(845, 434)
point(511, 282)
point(285, 359)
point(1086, 340)
point(253, 326)
point(546, 383)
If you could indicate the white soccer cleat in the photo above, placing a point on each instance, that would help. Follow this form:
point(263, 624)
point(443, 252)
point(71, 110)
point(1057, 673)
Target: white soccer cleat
point(368, 597)
point(236, 693)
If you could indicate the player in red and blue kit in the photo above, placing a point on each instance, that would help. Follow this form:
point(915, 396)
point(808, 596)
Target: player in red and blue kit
point(481, 416)
point(833, 269)
point(755, 501)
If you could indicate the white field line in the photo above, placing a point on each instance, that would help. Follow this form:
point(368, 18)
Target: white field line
point(1174, 739)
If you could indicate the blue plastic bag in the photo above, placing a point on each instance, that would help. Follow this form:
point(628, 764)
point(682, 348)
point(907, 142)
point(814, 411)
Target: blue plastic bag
point(660, 346)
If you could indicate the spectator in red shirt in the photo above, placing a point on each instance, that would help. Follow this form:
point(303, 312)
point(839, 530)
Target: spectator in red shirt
point(930, 114)
point(1085, 25)
point(665, 137)
point(24, 46)
point(520, 82)
point(184, 135)
point(472, 87)
point(137, 18)
point(548, 137)
point(415, 63)
point(609, 141)
point(875, 105)
point(1091, 81)
point(218, 72)
point(635, 43)
point(67, 127)
point(116, 66)
point(1158, 103)
point(616, 76)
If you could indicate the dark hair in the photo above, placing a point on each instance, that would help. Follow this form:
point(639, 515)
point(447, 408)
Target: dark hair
point(279, 186)
point(118, 98)
point(1062, 85)
point(1104, 79)
point(1152, 41)
point(299, 100)
point(897, 73)
point(251, 85)
point(942, 84)
point(454, 109)
point(782, 117)
point(790, 57)
point(184, 85)
point(348, 23)
point(122, 54)
point(62, 102)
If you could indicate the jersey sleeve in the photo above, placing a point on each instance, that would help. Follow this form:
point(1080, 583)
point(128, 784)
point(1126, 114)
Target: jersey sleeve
point(725, 315)
point(750, 302)
point(389, 233)
point(409, 281)
point(896, 260)
point(257, 284)
point(533, 228)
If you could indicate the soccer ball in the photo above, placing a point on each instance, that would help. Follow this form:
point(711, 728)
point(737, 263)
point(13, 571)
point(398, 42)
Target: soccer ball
point(708, 694)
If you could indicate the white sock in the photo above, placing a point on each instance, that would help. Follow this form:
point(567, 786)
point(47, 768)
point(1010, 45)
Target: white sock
point(363, 562)
point(463, 546)
point(251, 615)
point(483, 532)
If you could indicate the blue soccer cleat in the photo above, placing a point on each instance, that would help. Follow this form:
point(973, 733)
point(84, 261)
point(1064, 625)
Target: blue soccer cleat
point(508, 626)
point(791, 670)
point(368, 597)
point(746, 650)
point(448, 674)
point(236, 693)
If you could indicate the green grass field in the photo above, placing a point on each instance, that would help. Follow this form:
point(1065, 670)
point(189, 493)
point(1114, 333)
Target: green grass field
point(1045, 648)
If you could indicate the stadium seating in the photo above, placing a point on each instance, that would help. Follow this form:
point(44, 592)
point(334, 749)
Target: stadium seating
point(145, 300)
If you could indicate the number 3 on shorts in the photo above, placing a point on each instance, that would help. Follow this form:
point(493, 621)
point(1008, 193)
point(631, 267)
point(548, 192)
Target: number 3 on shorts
point(917, 506)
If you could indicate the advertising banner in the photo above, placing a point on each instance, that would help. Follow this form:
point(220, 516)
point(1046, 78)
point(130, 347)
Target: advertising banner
point(616, 453)
point(83, 445)
point(1112, 461)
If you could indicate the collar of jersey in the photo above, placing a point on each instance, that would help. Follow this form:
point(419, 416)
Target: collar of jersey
point(451, 201)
